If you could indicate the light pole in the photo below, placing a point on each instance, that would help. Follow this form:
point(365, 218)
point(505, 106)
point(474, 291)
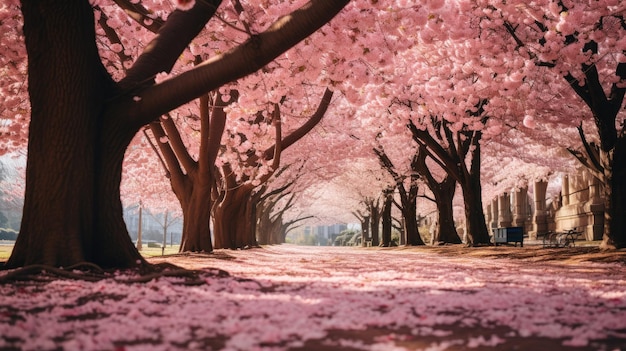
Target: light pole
point(139, 226)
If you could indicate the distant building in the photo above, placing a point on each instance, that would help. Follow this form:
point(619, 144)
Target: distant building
point(326, 234)
point(151, 226)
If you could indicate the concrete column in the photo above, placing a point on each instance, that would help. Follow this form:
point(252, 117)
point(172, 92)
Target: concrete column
point(595, 211)
point(504, 203)
point(565, 191)
point(494, 213)
point(582, 187)
point(540, 217)
point(594, 189)
point(519, 207)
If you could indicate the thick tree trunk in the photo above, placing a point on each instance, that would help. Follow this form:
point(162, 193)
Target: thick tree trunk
point(375, 225)
point(365, 230)
point(269, 230)
point(196, 236)
point(477, 233)
point(264, 226)
point(282, 234)
point(276, 232)
point(473, 200)
point(386, 221)
point(252, 213)
point(72, 211)
point(444, 195)
point(614, 163)
point(234, 223)
point(81, 121)
point(113, 246)
point(411, 228)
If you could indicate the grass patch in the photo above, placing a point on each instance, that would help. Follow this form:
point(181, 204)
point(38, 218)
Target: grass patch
point(6, 247)
point(157, 251)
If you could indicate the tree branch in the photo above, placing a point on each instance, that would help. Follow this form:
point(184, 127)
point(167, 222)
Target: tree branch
point(171, 40)
point(592, 159)
point(177, 144)
point(306, 127)
point(156, 151)
point(436, 152)
point(173, 166)
point(141, 15)
point(245, 59)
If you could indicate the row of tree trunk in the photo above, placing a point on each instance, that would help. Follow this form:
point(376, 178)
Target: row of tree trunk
point(82, 122)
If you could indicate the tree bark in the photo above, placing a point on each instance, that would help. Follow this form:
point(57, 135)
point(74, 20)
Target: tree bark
point(375, 222)
point(452, 159)
point(614, 236)
point(270, 229)
point(612, 146)
point(194, 185)
point(365, 230)
point(444, 196)
point(82, 122)
point(472, 196)
point(238, 203)
point(196, 235)
point(72, 210)
point(387, 220)
point(265, 226)
point(411, 228)
point(234, 220)
point(407, 198)
point(610, 168)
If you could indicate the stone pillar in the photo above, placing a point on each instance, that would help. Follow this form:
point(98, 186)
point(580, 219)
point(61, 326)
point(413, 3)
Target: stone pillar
point(540, 217)
point(494, 213)
point(565, 191)
point(579, 188)
point(519, 207)
point(595, 211)
point(504, 203)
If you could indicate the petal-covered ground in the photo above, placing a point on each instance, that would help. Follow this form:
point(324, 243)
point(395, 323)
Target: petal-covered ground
point(328, 298)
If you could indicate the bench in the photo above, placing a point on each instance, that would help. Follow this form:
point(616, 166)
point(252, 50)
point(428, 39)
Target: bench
point(508, 235)
point(562, 239)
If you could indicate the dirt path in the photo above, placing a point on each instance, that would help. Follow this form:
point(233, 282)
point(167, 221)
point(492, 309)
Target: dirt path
point(454, 326)
point(329, 298)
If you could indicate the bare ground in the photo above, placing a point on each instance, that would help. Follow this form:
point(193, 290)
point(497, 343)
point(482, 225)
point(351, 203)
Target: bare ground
point(348, 340)
point(304, 266)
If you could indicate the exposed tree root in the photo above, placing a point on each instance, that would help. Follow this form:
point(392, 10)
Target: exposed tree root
point(39, 270)
point(90, 272)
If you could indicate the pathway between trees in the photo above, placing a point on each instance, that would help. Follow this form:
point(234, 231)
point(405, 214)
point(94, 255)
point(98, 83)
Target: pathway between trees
point(329, 298)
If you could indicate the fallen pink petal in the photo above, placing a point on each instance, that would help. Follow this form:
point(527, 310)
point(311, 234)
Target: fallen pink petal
point(308, 298)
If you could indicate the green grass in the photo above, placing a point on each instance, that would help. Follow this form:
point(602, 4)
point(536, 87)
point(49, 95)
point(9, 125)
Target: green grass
point(157, 251)
point(7, 246)
point(5, 250)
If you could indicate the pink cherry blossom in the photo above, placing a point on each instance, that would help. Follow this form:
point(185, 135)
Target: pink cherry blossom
point(288, 297)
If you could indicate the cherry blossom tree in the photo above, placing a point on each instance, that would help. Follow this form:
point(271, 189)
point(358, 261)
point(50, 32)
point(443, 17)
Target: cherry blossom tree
point(418, 171)
point(272, 224)
point(582, 44)
point(407, 184)
point(195, 180)
point(83, 118)
point(235, 213)
point(386, 217)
